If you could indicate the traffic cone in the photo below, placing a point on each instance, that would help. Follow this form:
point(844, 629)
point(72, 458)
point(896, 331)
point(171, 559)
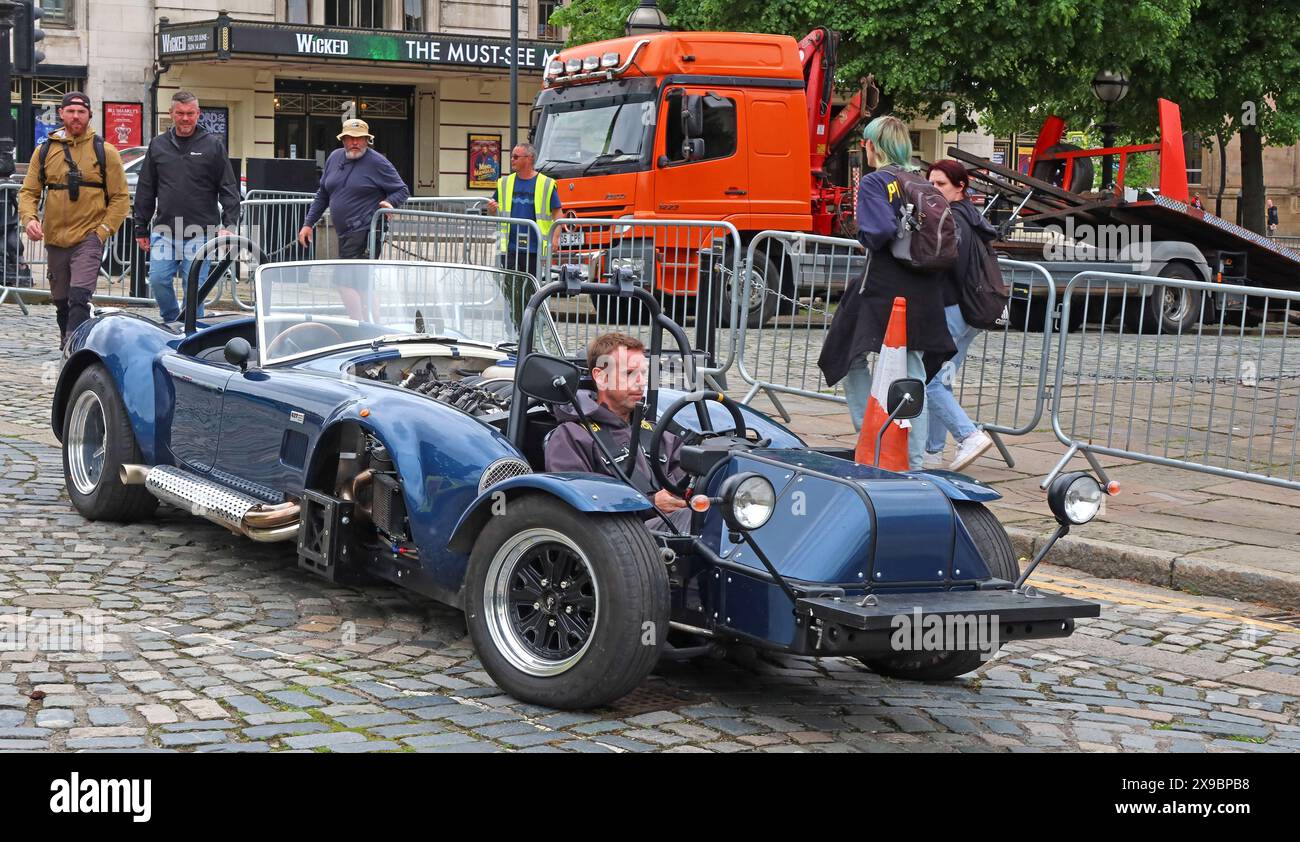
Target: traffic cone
point(891, 365)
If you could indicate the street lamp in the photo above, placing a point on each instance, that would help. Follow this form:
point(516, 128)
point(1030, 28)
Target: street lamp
point(646, 19)
point(1109, 87)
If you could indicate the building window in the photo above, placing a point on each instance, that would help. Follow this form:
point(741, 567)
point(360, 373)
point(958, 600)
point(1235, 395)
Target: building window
point(57, 13)
point(413, 15)
point(1192, 155)
point(359, 14)
point(546, 8)
point(297, 11)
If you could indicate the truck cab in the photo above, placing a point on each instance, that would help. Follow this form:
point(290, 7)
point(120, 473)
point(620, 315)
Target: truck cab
point(680, 125)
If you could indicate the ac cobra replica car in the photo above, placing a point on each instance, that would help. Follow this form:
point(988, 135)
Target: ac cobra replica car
point(390, 419)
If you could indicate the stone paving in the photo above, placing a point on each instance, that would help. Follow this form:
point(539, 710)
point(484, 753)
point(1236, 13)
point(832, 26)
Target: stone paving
point(211, 642)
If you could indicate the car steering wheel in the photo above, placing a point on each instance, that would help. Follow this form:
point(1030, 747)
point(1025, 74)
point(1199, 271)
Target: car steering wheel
point(296, 336)
point(666, 417)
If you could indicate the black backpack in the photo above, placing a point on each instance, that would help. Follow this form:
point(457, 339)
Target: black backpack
point(73, 171)
point(983, 292)
point(927, 233)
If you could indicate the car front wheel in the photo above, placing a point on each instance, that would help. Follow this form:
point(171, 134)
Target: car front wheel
point(97, 441)
point(566, 609)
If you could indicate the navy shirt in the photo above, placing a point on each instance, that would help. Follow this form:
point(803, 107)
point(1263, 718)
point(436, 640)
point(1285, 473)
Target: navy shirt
point(522, 207)
point(353, 190)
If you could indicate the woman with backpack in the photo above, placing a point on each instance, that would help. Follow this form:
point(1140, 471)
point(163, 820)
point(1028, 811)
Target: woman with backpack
point(946, 414)
point(858, 328)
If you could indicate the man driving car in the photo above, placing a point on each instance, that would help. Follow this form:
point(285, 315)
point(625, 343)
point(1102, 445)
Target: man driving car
point(619, 366)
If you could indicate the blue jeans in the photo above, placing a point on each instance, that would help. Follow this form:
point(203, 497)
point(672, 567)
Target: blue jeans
point(857, 389)
point(947, 413)
point(167, 257)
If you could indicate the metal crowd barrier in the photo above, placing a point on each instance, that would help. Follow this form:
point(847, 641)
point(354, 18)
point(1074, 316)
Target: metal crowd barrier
point(791, 284)
point(1218, 396)
point(1003, 381)
point(690, 266)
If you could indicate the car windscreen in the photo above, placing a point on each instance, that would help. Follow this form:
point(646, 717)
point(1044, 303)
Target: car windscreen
point(305, 308)
point(581, 136)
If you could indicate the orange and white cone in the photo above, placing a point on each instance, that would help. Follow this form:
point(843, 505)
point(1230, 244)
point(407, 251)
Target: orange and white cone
point(891, 365)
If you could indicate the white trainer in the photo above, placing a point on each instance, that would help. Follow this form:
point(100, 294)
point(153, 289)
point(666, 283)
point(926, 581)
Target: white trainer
point(932, 460)
point(970, 448)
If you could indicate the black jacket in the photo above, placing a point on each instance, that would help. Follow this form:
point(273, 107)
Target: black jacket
point(970, 227)
point(858, 326)
point(179, 190)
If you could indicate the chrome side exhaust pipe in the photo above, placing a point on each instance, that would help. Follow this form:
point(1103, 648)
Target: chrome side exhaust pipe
point(240, 513)
point(133, 474)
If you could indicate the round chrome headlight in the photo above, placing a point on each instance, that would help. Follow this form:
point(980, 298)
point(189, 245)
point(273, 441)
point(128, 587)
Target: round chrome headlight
point(1075, 498)
point(748, 501)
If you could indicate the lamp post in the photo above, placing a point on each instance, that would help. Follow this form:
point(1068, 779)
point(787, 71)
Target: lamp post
point(646, 19)
point(1109, 87)
point(514, 73)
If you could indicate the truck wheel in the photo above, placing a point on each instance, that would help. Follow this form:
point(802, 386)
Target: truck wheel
point(566, 609)
point(97, 442)
point(994, 545)
point(763, 297)
point(1169, 309)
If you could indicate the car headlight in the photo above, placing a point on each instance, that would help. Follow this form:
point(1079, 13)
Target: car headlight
point(748, 501)
point(1074, 498)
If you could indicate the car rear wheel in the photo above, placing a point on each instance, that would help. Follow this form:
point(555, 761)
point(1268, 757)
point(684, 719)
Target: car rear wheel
point(566, 609)
point(97, 442)
point(995, 548)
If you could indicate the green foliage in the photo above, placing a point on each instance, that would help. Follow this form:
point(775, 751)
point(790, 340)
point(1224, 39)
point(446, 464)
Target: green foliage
point(593, 20)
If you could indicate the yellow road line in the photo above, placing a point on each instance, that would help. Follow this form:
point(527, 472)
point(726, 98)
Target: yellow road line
point(1146, 603)
point(1173, 600)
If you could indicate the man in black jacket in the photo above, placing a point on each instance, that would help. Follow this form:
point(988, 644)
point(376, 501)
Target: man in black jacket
point(185, 174)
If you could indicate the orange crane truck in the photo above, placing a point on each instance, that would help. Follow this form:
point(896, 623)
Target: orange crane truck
point(709, 126)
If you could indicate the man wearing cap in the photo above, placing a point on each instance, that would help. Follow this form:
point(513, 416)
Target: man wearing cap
point(186, 173)
point(355, 183)
point(86, 203)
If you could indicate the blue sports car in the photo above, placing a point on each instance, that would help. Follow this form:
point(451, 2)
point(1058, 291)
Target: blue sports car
point(390, 418)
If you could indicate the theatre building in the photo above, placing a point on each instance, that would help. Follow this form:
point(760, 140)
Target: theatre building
point(276, 79)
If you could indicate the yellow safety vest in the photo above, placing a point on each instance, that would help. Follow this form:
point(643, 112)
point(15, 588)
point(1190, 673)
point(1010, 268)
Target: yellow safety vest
point(541, 206)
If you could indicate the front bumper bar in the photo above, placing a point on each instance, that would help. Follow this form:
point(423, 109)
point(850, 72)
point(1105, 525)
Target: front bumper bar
point(938, 620)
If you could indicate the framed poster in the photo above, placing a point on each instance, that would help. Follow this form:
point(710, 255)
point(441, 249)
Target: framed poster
point(124, 124)
point(1024, 154)
point(45, 119)
point(216, 119)
point(484, 166)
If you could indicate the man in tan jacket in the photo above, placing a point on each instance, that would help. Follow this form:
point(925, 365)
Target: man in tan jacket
point(86, 202)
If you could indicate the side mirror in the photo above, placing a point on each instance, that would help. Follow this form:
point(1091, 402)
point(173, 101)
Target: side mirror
point(239, 352)
point(693, 149)
point(906, 398)
point(548, 379)
point(692, 116)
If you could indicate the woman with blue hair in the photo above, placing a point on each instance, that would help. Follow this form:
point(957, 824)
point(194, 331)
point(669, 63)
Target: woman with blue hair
point(858, 329)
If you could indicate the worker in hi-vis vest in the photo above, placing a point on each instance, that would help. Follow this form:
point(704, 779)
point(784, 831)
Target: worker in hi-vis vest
point(524, 194)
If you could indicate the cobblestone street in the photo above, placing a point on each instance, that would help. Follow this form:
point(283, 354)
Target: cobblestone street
point(213, 642)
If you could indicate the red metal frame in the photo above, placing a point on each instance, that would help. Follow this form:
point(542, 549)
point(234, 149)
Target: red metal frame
point(1173, 162)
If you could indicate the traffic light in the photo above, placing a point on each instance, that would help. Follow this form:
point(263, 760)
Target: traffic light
point(26, 36)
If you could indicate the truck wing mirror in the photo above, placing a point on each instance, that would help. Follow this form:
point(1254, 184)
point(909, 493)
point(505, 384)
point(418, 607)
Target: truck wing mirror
point(693, 149)
point(692, 116)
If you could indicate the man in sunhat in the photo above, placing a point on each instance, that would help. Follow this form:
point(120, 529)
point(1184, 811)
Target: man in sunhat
point(356, 182)
point(86, 201)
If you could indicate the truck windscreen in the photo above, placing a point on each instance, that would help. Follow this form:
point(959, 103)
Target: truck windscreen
point(574, 140)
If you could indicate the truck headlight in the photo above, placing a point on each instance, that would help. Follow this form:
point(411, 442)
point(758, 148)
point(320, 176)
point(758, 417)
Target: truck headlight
point(748, 501)
point(1074, 498)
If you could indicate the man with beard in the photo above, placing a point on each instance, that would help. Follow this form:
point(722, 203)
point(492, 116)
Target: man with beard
point(356, 182)
point(85, 204)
